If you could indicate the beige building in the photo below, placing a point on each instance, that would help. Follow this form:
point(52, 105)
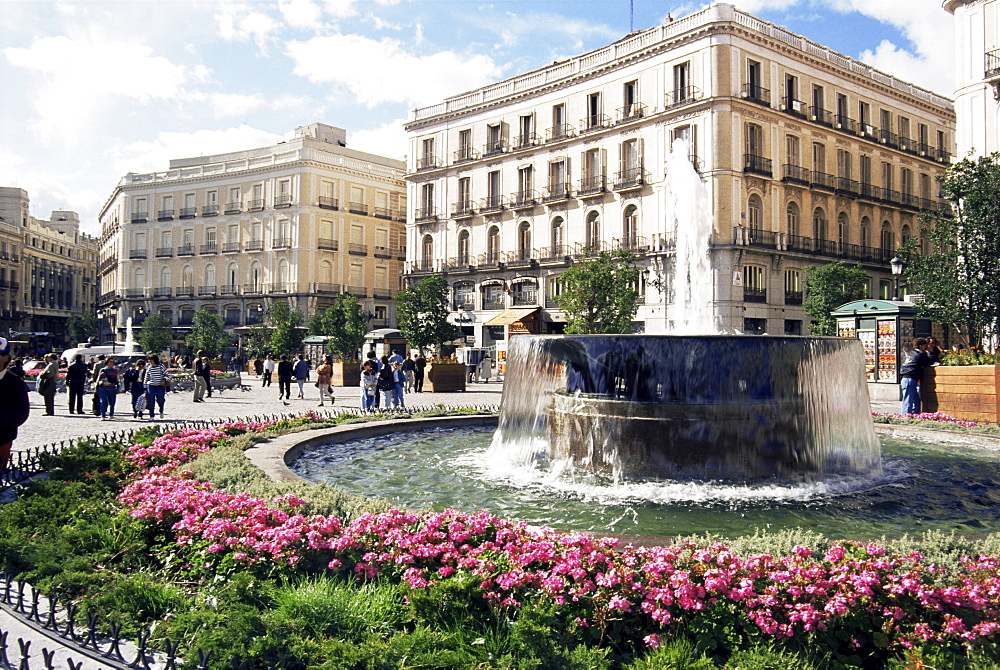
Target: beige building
point(301, 221)
point(13, 219)
point(60, 275)
point(977, 75)
point(806, 156)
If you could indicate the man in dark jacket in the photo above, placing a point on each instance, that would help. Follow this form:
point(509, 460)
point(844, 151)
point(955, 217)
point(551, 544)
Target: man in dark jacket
point(14, 405)
point(911, 374)
point(418, 373)
point(284, 379)
point(76, 380)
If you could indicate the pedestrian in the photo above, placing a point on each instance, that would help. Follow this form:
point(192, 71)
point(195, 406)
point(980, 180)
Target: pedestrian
point(14, 404)
point(46, 384)
point(408, 368)
point(398, 379)
point(107, 389)
point(395, 358)
point(206, 373)
point(200, 384)
point(157, 383)
point(934, 352)
point(17, 368)
point(485, 368)
point(258, 366)
point(301, 372)
point(284, 379)
point(76, 380)
point(96, 400)
point(911, 375)
point(134, 381)
point(418, 372)
point(324, 375)
point(369, 381)
point(268, 367)
point(385, 383)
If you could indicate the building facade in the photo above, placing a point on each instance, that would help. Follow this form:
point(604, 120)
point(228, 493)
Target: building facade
point(807, 157)
point(301, 221)
point(13, 219)
point(977, 75)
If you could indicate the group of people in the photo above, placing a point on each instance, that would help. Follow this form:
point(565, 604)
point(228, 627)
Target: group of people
point(924, 354)
point(389, 378)
point(146, 381)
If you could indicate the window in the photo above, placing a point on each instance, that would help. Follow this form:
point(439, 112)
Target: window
point(165, 279)
point(754, 140)
point(187, 276)
point(188, 210)
point(284, 196)
point(904, 128)
point(906, 235)
point(843, 231)
point(885, 289)
point(688, 134)
point(558, 177)
point(427, 252)
point(887, 176)
point(526, 130)
point(793, 287)
point(844, 164)
point(792, 219)
point(843, 116)
point(819, 225)
point(630, 227)
point(866, 232)
point(525, 183)
point(754, 289)
point(140, 210)
point(465, 296)
point(754, 216)
point(865, 118)
point(888, 237)
point(464, 194)
point(465, 152)
point(524, 241)
point(166, 208)
point(256, 231)
point(819, 112)
point(358, 200)
point(792, 151)
point(755, 81)
point(682, 82)
point(558, 233)
point(630, 98)
point(493, 189)
point(493, 245)
point(257, 197)
point(426, 201)
point(593, 233)
point(630, 165)
point(464, 257)
point(427, 159)
point(210, 237)
point(139, 279)
point(906, 181)
point(792, 102)
point(210, 275)
point(593, 119)
point(233, 235)
point(923, 138)
point(495, 140)
point(865, 170)
point(593, 167)
point(559, 128)
point(819, 158)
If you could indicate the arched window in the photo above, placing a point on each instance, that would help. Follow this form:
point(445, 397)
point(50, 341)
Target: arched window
point(282, 275)
point(187, 276)
point(326, 273)
point(792, 220)
point(524, 241)
point(232, 276)
point(887, 237)
point(819, 225)
point(630, 227)
point(558, 239)
point(866, 232)
point(463, 248)
point(210, 276)
point(255, 277)
point(427, 253)
point(165, 278)
point(493, 245)
point(755, 211)
point(594, 231)
point(906, 235)
point(843, 231)
point(139, 279)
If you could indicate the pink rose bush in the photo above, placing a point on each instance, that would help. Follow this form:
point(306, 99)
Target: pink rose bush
point(883, 600)
point(938, 417)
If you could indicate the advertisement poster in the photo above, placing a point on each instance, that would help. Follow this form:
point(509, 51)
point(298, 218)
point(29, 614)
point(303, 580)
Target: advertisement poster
point(501, 361)
point(887, 350)
point(847, 328)
point(867, 338)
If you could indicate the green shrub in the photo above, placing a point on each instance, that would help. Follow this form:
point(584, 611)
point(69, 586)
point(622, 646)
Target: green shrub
point(677, 654)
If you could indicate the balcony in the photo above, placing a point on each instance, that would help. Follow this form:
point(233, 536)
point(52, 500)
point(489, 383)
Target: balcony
point(794, 107)
point(138, 253)
point(526, 296)
point(281, 243)
point(358, 208)
point(888, 138)
point(232, 208)
point(359, 291)
point(210, 210)
point(755, 237)
point(592, 186)
point(524, 199)
point(231, 248)
point(382, 252)
point(162, 293)
point(280, 287)
point(490, 261)
point(463, 210)
point(754, 294)
point(521, 258)
point(139, 217)
point(526, 141)
point(942, 156)
point(992, 65)
point(637, 243)
point(255, 245)
point(253, 289)
point(821, 116)
point(207, 291)
point(425, 214)
point(632, 112)
point(327, 202)
point(135, 293)
point(753, 164)
point(231, 321)
point(327, 289)
point(909, 201)
point(908, 144)
point(847, 186)
point(384, 293)
point(560, 131)
point(185, 250)
point(228, 289)
point(422, 265)
point(757, 94)
point(492, 203)
point(793, 297)
point(256, 205)
point(868, 191)
point(165, 215)
point(594, 122)
point(282, 200)
point(630, 179)
point(184, 291)
point(428, 162)
point(466, 154)
point(796, 175)
point(495, 148)
point(845, 123)
point(327, 244)
point(356, 249)
point(823, 180)
point(681, 96)
point(465, 303)
point(208, 248)
point(189, 212)
point(556, 192)
point(382, 213)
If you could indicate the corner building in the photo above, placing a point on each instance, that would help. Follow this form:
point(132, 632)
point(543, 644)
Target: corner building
point(977, 96)
point(300, 221)
point(808, 157)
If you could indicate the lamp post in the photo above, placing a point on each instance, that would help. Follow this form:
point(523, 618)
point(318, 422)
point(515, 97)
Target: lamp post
point(897, 269)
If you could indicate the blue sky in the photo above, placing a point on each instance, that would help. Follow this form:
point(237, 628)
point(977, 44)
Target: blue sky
point(93, 89)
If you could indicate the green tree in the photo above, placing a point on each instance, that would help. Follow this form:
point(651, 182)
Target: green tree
point(258, 340)
point(422, 310)
point(81, 327)
point(208, 334)
point(155, 335)
point(345, 323)
point(960, 273)
point(827, 288)
point(286, 338)
point(599, 296)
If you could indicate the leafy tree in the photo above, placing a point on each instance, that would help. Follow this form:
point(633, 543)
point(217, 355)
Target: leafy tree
point(208, 333)
point(155, 335)
point(423, 313)
point(81, 327)
point(600, 296)
point(258, 339)
point(960, 274)
point(828, 287)
point(345, 323)
point(286, 337)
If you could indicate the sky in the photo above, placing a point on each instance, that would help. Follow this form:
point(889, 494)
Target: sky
point(93, 89)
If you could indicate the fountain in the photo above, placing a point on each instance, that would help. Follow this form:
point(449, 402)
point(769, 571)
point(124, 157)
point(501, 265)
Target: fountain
point(127, 348)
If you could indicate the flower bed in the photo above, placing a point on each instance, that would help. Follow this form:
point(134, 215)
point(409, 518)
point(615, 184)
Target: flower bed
point(853, 598)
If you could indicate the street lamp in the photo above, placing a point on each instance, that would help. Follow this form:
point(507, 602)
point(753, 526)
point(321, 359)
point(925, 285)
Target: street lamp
point(897, 269)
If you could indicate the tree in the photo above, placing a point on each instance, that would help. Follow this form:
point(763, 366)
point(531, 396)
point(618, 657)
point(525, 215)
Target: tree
point(960, 273)
point(81, 327)
point(155, 335)
point(422, 310)
point(208, 334)
point(258, 340)
point(600, 296)
point(345, 323)
point(286, 337)
point(828, 287)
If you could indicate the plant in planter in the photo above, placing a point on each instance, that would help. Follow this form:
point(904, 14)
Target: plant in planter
point(423, 314)
point(344, 324)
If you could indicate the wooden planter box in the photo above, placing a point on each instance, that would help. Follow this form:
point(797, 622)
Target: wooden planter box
point(439, 377)
point(346, 374)
point(967, 392)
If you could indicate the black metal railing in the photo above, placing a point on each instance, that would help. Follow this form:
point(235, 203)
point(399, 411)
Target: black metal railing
point(633, 177)
point(492, 203)
point(559, 131)
point(524, 199)
point(821, 116)
point(556, 192)
point(165, 215)
point(795, 174)
point(754, 164)
point(593, 185)
point(682, 95)
point(754, 294)
point(424, 214)
point(428, 163)
point(525, 140)
point(328, 202)
point(464, 154)
point(233, 208)
point(593, 122)
point(463, 209)
point(757, 93)
point(632, 112)
point(189, 212)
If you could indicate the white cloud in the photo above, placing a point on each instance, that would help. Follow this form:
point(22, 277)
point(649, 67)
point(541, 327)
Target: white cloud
point(519, 28)
point(387, 140)
point(300, 13)
point(238, 22)
point(155, 155)
point(384, 71)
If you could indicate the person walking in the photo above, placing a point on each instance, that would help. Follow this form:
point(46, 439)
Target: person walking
point(418, 373)
point(14, 404)
point(96, 400)
point(200, 383)
point(134, 381)
point(268, 367)
point(399, 379)
point(17, 368)
point(301, 372)
point(385, 383)
point(76, 380)
point(47, 383)
point(284, 379)
point(911, 374)
point(408, 368)
point(157, 383)
point(395, 358)
point(107, 389)
point(324, 375)
point(369, 382)
point(258, 366)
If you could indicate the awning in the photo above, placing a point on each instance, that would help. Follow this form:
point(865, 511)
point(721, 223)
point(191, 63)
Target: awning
point(511, 315)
